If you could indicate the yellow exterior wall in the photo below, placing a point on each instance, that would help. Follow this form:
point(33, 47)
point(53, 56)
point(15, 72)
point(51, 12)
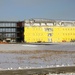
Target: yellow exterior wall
point(41, 33)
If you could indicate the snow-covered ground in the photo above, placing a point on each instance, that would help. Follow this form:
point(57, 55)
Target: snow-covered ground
point(62, 74)
point(44, 46)
point(36, 58)
point(21, 56)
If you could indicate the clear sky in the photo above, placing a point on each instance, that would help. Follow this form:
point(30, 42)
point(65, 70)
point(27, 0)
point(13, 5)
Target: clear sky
point(27, 9)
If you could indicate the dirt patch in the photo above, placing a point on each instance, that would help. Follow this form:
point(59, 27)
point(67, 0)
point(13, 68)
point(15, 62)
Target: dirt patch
point(37, 52)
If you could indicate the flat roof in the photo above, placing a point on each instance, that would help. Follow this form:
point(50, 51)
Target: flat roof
point(10, 21)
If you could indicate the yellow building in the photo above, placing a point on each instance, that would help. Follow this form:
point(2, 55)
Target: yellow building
point(49, 31)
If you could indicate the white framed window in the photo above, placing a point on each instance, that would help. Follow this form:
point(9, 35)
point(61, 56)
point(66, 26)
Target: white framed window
point(50, 24)
point(43, 24)
point(36, 24)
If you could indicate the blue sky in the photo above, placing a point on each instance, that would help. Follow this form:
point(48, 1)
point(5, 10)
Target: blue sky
point(27, 9)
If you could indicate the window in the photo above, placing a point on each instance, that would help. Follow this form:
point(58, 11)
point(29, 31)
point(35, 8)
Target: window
point(13, 30)
point(48, 29)
point(3, 30)
point(6, 29)
point(1, 24)
point(50, 24)
point(13, 35)
point(49, 34)
point(13, 25)
point(10, 35)
point(36, 24)
point(0, 29)
point(43, 24)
